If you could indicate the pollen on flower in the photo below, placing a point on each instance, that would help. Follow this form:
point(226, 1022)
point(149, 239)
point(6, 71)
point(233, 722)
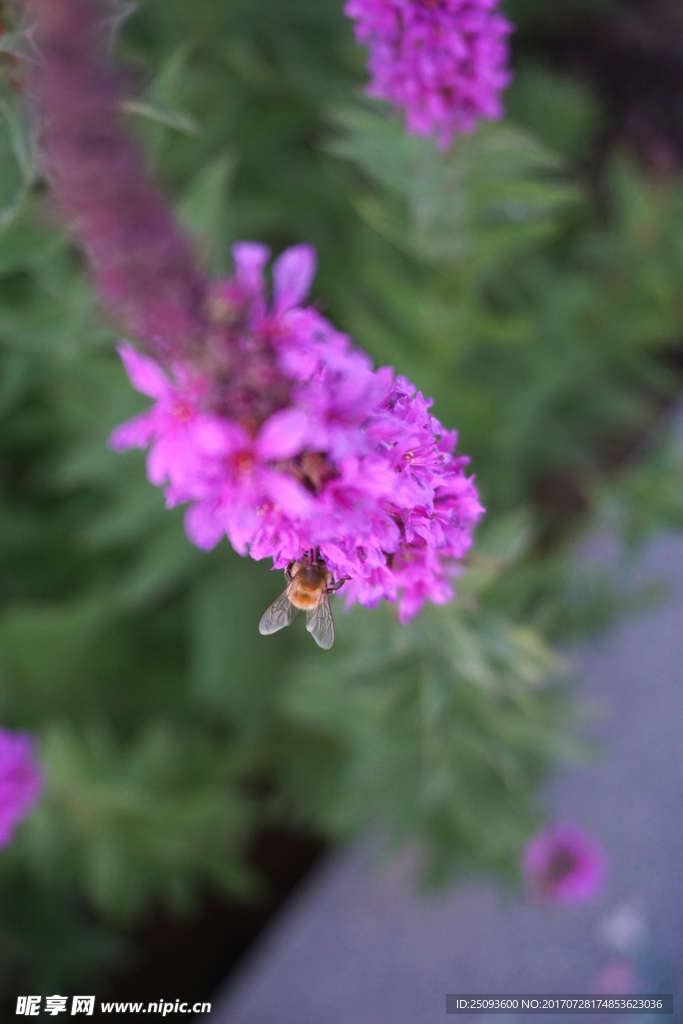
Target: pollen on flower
point(267, 507)
point(332, 456)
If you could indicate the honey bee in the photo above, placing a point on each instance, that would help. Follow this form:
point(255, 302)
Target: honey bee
point(309, 585)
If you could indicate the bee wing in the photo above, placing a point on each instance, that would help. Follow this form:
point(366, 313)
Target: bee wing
point(280, 614)
point(320, 624)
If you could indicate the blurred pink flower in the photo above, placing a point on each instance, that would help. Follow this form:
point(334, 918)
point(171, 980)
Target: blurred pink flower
point(616, 977)
point(21, 781)
point(563, 865)
point(444, 61)
point(143, 264)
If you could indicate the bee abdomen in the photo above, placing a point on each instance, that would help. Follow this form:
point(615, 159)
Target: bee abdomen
point(303, 600)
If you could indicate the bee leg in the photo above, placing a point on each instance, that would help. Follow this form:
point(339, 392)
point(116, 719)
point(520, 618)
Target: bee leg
point(288, 572)
point(338, 584)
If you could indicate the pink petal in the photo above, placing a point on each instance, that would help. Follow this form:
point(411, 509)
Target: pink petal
point(250, 258)
point(293, 273)
point(333, 553)
point(135, 433)
point(449, 438)
point(214, 436)
point(158, 463)
point(283, 434)
point(144, 373)
point(203, 525)
point(286, 492)
point(241, 525)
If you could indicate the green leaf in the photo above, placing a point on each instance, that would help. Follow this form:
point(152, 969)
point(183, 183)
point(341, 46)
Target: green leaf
point(22, 123)
point(175, 119)
point(204, 210)
point(141, 817)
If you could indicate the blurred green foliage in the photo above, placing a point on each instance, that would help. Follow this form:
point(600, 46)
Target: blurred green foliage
point(493, 277)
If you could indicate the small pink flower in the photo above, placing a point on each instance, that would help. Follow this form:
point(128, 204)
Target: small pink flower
point(175, 429)
point(21, 781)
point(243, 484)
point(563, 865)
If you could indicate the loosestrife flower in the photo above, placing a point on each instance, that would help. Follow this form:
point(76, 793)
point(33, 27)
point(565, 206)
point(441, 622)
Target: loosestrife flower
point(444, 61)
point(266, 421)
point(21, 781)
point(564, 865)
point(346, 460)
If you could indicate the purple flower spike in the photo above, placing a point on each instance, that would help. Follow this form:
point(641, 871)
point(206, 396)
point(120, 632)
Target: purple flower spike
point(143, 265)
point(21, 781)
point(444, 61)
point(563, 865)
point(336, 457)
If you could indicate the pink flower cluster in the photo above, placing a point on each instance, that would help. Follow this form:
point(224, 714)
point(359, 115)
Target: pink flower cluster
point(21, 781)
point(564, 865)
point(444, 61)
point(349, 463)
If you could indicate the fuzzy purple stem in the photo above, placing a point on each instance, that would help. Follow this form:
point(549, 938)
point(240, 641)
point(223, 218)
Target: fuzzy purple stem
point(143, 265)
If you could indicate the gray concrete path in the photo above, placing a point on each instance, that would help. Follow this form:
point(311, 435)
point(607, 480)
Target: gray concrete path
point(359, 946)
